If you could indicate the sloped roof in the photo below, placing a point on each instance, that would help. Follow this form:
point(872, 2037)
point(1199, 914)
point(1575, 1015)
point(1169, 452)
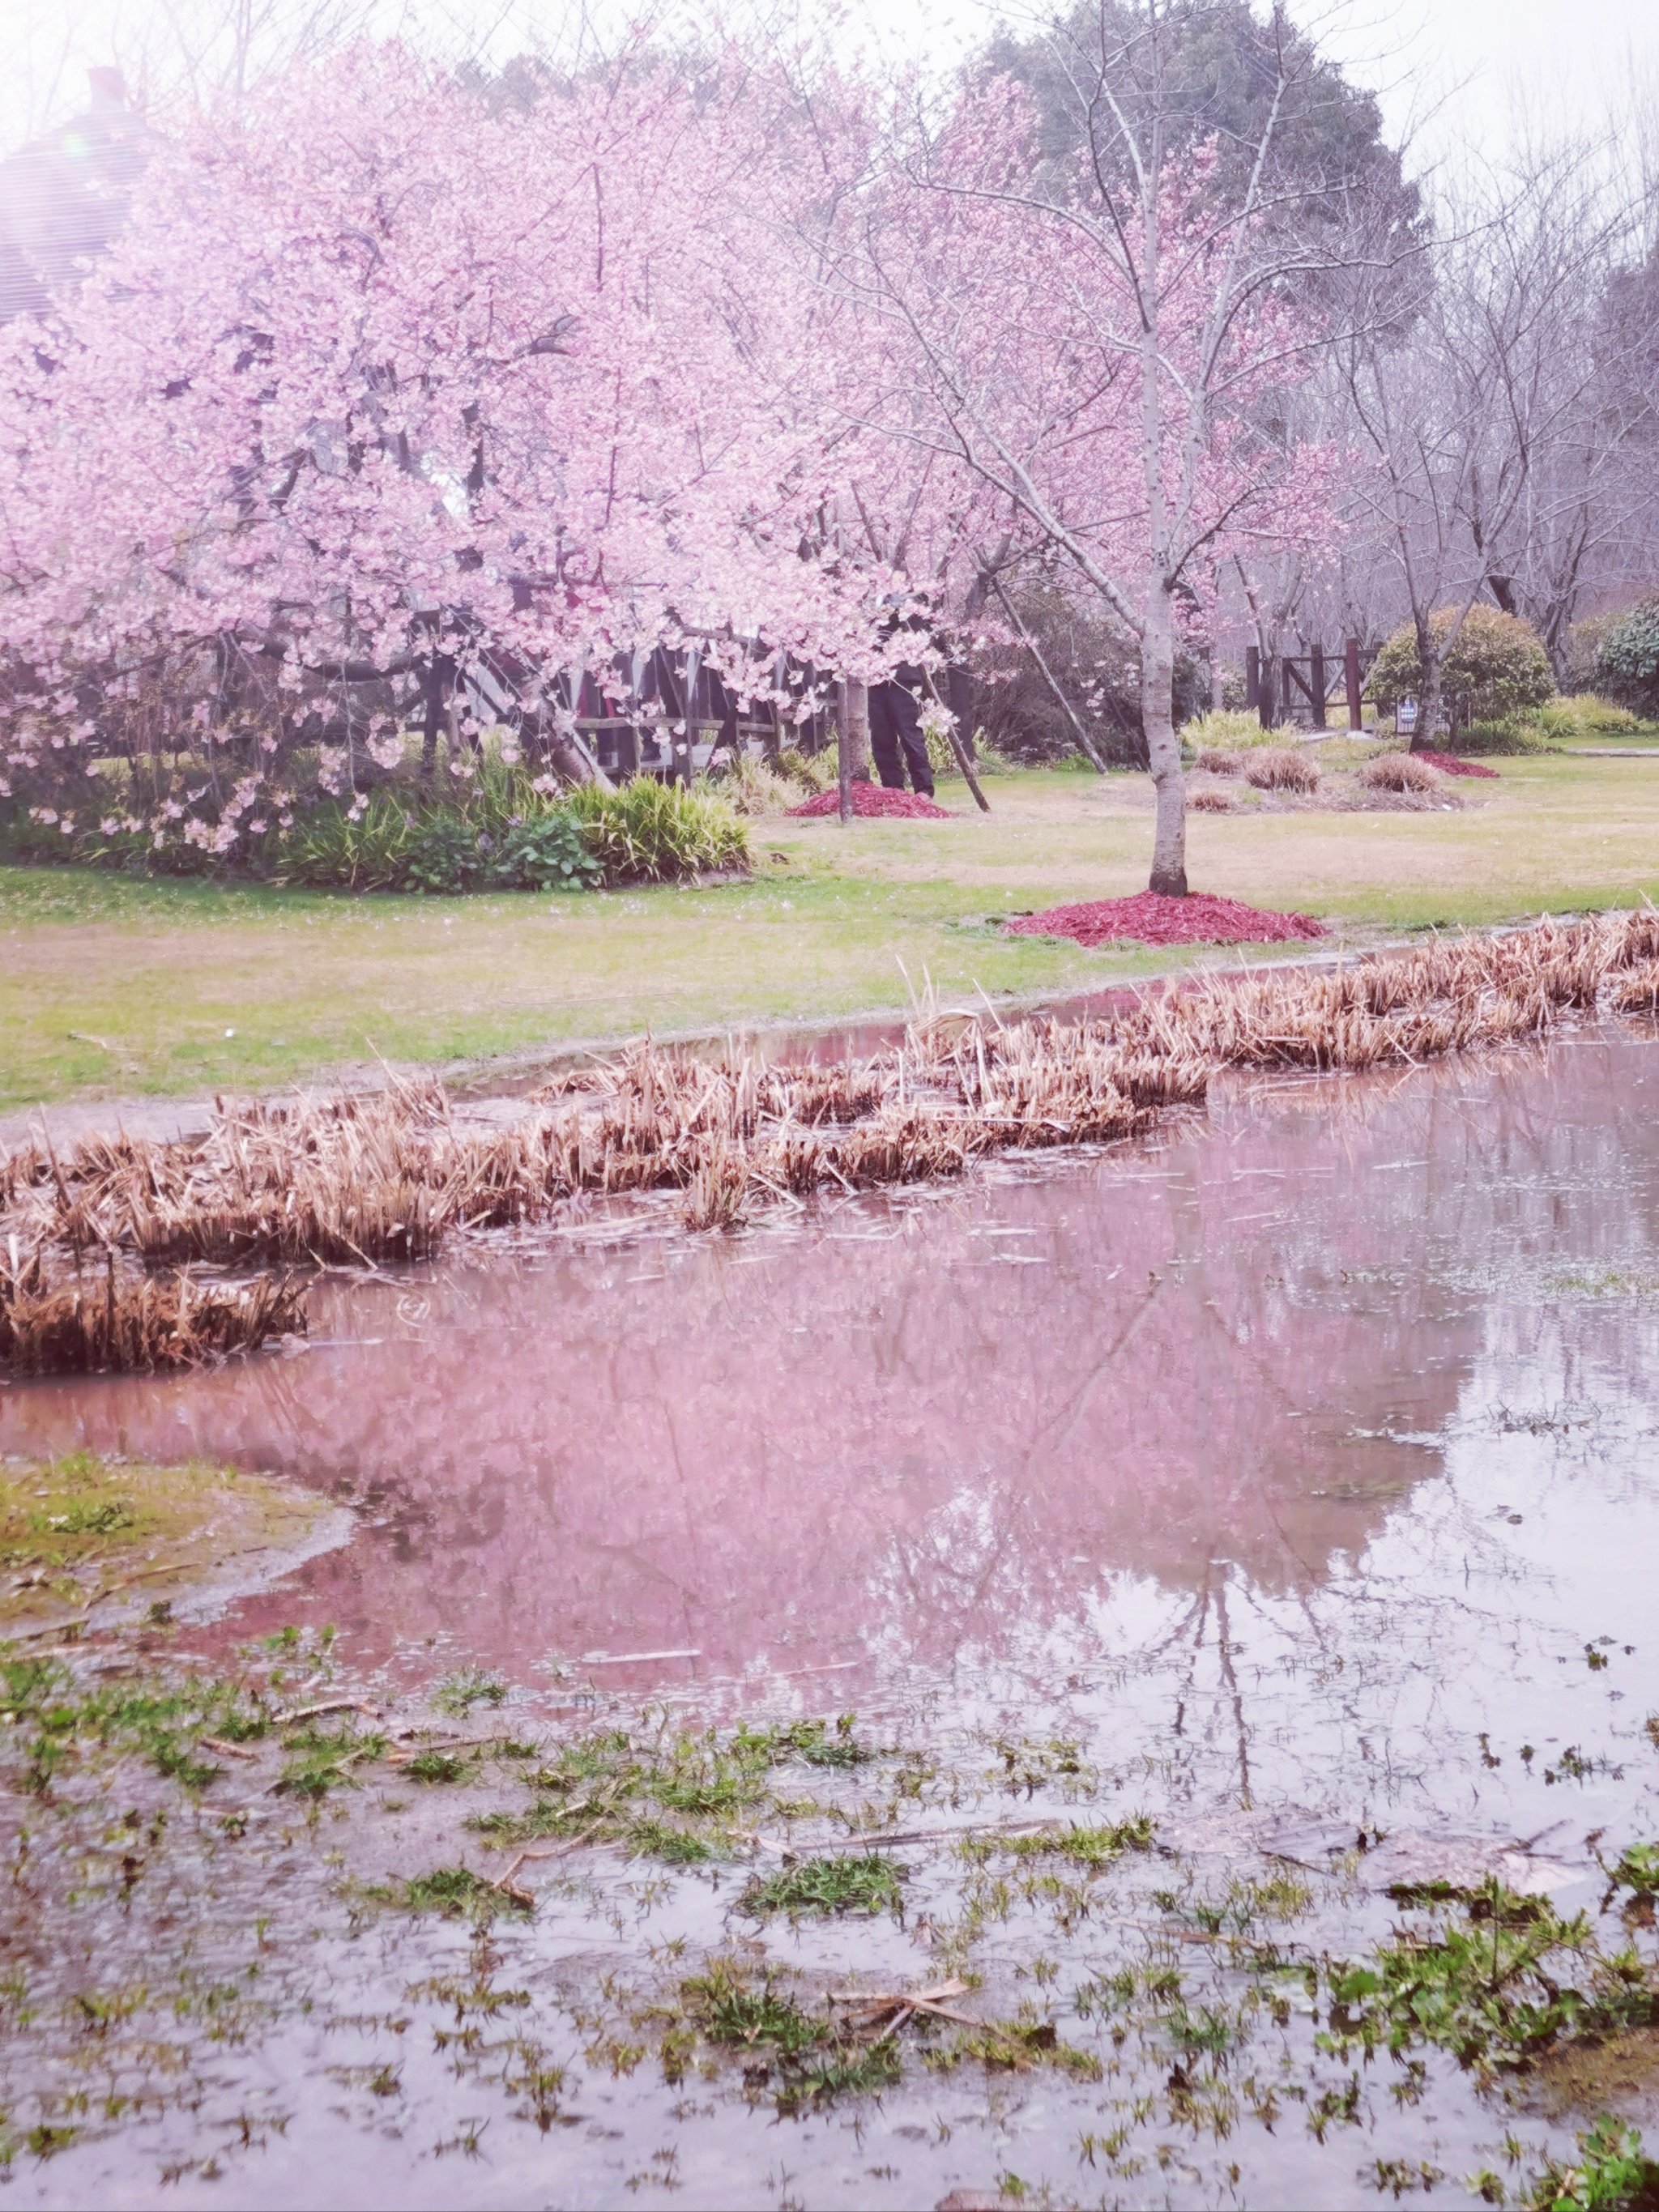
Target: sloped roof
point(64, 196)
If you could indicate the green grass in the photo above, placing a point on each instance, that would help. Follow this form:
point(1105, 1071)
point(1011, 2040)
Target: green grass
point(861, 1884)
point(115, 986)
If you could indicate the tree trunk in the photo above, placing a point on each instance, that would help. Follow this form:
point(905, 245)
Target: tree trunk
point(434, 682)
point(1425, 735)
point(1163, 747)
point(852, 739)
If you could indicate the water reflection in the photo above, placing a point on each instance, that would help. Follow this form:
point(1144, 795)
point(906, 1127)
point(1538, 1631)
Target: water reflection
point(931, 1433)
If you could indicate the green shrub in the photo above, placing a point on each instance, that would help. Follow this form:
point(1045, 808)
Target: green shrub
point(330, 846)
point(1586, 715)
point(648, 832)
point(1227, 729)
point(548, 853)
point(446, 852)
point(1496, 669)
point(1627, 664)
point(1515, 736)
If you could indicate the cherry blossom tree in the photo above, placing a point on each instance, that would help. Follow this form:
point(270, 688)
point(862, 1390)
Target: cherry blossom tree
point(1097, 340)
point(383, 388)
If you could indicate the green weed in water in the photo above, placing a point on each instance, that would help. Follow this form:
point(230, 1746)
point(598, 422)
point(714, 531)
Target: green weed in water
point(321, 1759)
point(1613, 2174)
point(433, 1765)
point(730, 2010)
point(1493, 1988)
point(458, 1894)
point(1096, 1846)
point(1639, 1869)
point(861, 1884)
point(656, 1839)
point(456, 1694)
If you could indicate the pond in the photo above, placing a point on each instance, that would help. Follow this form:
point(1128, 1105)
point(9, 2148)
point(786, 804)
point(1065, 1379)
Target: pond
point(1287, 1478)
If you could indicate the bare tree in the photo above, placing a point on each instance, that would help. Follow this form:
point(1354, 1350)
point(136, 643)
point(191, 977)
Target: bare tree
point(1484, 399)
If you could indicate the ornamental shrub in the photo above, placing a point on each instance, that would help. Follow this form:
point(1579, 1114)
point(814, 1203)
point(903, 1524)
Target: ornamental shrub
point(648, 832)
point(1627, 665)
point(548, 853)
point(1497, 668)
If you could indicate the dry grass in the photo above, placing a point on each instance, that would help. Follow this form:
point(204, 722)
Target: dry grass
point(1210, 801)
point(1278, 768)
point(1400, 772)
point(66, 1320)
point(393, 1175)
point(1214, 763)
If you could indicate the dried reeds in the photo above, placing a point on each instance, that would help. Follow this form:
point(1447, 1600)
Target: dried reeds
point(58, 1320)
point(393, 1176)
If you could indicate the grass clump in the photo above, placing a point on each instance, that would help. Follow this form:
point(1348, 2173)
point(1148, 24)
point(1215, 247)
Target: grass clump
point(1281, 767)
point(656, 1839)
point(321, 1759)
point(730, 2009)
point(816, 2063)
point(459, 1894)
point(433, 1765)
point(1097, 1845)
point(864, 1883)
point(456, 1694)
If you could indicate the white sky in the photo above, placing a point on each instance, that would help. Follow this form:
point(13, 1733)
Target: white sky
point(1459, 71)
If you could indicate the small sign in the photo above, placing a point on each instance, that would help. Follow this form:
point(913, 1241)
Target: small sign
point(1405, 718)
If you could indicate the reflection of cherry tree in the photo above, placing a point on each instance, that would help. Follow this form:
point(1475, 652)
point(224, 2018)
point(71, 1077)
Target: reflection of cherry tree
point(894, 1439)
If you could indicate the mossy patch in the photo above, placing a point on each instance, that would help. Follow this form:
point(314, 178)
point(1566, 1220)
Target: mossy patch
point(83, 1529)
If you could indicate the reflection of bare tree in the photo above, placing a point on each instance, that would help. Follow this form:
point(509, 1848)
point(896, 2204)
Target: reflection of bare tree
point(1191, 1371)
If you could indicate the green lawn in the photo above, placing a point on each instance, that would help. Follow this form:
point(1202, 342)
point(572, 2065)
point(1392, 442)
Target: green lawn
point(114, 985)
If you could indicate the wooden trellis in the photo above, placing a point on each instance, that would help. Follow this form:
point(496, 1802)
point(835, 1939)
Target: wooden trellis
point(1270, 681)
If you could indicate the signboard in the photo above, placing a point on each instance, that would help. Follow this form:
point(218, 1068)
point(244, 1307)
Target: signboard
point(1405, 718)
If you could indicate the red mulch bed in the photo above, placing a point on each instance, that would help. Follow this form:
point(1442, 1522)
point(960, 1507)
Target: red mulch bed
point(1453, 764)
point(1150, 918)
point(870, 798)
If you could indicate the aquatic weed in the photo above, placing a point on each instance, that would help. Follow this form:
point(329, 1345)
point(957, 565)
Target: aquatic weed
point(1490, 1988)
point(865, 1883)
point(458, 1894)
point(729, 2010)
point(1613, 2174)
point(435, 1765)
point(456, 1694)
point(1093, 1846)
point(1637, 1869)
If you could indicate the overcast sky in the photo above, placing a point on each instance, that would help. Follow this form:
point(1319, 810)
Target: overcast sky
point(1455, 70)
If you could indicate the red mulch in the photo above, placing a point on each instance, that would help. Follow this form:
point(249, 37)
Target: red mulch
point(1453, 764)
point(1150, 918)
point(870, 798)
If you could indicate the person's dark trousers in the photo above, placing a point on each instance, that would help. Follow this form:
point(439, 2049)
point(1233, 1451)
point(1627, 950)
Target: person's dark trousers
point(895, 739)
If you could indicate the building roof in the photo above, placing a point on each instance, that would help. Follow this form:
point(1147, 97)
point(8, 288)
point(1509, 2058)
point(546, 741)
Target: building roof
point(64, 196)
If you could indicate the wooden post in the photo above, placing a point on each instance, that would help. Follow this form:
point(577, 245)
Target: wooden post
point(1317, 684)
point(1265, 707)
point(1350, 678)
point(1252, 678)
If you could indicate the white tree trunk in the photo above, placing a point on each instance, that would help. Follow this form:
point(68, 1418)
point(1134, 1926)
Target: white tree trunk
point(1163, 747)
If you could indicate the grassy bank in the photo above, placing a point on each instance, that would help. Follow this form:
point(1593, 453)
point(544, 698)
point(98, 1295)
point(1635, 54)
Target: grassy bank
point(112, 985)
